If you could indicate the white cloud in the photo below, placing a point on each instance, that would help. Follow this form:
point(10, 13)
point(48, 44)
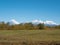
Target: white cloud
point(14, 21)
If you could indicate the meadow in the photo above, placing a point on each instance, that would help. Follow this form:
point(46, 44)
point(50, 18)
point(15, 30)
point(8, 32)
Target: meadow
point(29, 37)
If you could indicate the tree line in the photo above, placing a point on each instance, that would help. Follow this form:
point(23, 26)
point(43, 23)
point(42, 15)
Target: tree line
point(26, 26)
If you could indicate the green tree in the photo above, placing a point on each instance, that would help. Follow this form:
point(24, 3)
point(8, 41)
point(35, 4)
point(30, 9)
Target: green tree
point(28, 26)
point(2, 25)
point(41, 26)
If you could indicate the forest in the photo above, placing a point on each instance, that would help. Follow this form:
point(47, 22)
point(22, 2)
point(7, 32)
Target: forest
point(26, 26)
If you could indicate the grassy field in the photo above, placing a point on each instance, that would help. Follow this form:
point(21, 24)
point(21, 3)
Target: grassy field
point(23, 37)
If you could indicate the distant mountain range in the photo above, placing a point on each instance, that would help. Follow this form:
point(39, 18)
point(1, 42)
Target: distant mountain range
point(35, 22)
point(47, 23)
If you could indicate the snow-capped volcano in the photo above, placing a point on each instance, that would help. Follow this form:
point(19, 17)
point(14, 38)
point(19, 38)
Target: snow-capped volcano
point(13, 21)
point(45, 22)
point(49, 23)
point(37, 21)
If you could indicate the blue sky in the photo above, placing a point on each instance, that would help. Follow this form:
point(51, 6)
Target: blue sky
point(28, 10)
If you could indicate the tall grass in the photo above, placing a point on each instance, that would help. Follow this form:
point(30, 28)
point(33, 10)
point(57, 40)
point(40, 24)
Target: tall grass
point(29, 37)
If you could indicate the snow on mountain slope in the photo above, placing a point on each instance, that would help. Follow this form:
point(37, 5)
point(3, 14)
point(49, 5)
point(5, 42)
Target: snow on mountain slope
point(45, 22)
point(13, 21)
